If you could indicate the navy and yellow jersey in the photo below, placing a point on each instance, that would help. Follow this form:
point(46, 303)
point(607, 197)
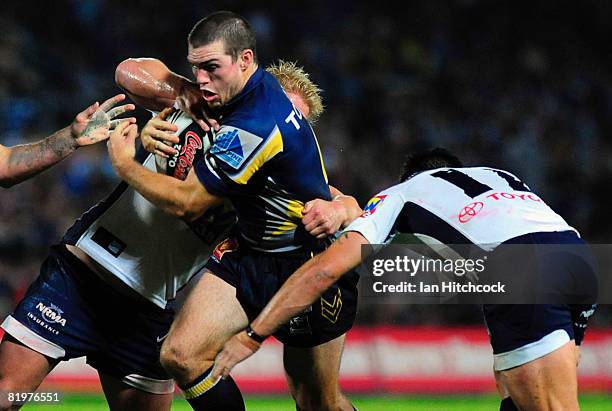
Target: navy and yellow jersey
point(265, 158)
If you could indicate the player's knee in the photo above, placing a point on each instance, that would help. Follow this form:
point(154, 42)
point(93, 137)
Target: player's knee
point(175, 360)
point(181, 362)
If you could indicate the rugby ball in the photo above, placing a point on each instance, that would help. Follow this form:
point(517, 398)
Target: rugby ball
point(193, 143)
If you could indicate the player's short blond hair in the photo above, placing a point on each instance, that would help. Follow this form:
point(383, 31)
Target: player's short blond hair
point(294, 79)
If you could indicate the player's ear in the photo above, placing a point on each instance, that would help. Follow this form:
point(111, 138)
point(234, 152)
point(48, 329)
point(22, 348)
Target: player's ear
point(246, 58)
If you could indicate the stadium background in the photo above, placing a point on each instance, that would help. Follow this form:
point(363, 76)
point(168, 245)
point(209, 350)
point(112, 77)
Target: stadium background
point(524, 86)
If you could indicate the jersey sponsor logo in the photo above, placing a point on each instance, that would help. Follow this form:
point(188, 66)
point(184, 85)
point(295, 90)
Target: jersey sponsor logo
point(372, 205)
point(470, 211)
point(226, 246)
point(291, 117)
point(187, 154)
point(514, 196)
point(228, 148)
point(51, 314)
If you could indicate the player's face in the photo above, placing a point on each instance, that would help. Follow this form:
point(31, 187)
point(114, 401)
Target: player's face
point(298, 101)
point(218, 76)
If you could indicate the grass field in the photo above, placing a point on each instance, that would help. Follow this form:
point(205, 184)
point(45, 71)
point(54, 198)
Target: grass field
point(589, 402)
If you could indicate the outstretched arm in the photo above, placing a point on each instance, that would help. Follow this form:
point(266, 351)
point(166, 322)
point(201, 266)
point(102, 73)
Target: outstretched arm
point(92, 125)
point(152, 85)
point(298, 293)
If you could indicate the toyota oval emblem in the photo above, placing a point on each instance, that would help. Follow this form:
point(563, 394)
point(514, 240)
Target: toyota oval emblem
point(469, 211)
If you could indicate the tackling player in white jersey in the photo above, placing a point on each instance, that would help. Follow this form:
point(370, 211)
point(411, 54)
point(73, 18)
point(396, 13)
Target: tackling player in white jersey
point(535, 346)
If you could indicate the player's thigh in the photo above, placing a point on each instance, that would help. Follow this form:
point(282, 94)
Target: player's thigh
point(210, 316)
point(547, 383)
point(123, 397)
point(313, 372)
point(21, 368)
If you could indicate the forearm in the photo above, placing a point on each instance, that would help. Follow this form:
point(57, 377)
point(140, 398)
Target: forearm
point(150, 83)
point(350, 209)
point(302, 289)
point(24, 161)
point(307, 284)
point(163, 191)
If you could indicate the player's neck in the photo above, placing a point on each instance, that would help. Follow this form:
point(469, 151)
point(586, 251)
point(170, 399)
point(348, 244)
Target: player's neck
point(248, 73)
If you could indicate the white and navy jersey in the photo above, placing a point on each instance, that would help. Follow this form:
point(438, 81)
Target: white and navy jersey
point(477, 205)
point(152, 252)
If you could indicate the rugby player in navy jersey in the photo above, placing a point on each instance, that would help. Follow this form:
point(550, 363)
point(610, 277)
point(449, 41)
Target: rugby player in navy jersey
point(126, 251)
point(265, 159)
point(535, 346)
point(92, 125)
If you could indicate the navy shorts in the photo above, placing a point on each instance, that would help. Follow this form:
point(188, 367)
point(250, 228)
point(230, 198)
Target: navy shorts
point(70, 312)
point(257, 276)
point(521, 333)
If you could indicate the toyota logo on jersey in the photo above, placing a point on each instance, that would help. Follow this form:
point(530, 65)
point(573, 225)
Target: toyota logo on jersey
point(370, 208)
point(469, 211)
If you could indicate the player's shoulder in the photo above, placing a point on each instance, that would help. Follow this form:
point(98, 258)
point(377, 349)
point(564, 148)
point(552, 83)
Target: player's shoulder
point(254, 111)
point(252, 125)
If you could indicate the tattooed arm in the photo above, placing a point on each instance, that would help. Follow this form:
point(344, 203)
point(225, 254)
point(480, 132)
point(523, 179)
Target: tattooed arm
point(301, 290)
point(92, 125)
point(20, 162)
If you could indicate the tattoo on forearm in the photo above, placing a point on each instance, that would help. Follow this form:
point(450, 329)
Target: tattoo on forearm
point(28, 159)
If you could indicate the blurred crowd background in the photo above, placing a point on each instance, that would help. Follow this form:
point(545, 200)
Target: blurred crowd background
point(522, 85)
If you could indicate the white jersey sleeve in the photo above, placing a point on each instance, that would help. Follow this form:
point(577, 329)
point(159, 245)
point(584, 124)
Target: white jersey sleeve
point(378, 217)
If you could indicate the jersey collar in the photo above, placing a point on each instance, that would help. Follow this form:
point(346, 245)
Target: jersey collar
point(253, 82)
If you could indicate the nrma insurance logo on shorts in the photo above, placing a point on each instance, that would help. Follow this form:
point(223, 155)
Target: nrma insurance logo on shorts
point(48, 316)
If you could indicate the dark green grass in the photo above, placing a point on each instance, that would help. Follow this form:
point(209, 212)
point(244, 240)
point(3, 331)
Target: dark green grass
point(588, 402)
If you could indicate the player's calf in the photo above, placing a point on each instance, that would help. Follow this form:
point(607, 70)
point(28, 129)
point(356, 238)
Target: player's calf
point(309, 401)
point(312, 374)
point(546, 384)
